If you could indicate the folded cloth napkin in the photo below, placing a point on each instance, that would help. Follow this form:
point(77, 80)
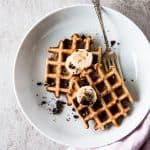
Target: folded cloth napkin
point(139, 139)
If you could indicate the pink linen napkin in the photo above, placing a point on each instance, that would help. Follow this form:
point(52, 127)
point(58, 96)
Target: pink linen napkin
point(139, 139)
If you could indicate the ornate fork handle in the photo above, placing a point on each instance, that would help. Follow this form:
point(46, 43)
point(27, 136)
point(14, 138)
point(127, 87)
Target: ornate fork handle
point(97, 6)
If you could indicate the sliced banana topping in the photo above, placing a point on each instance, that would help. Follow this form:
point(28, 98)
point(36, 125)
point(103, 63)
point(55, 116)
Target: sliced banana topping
point(82, 58)
point(86, 95)
point(70, 66)
point(79, 60)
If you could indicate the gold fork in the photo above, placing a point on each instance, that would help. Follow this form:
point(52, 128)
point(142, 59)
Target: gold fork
point(109, 58)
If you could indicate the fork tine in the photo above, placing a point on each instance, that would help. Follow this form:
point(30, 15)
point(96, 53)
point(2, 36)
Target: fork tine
point(109, 61)
point(112, 60)
point(117, 64)
point(105, 64)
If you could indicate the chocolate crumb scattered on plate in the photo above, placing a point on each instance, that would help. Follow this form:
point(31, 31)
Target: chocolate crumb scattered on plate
point(43, 103)
point(59, 107)
point(112, 43)
point(76, 116)
point(73, 109)
point(39, 83)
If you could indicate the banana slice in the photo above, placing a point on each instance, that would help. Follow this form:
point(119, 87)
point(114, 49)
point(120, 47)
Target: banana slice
point(79, 60)
point(82, 58)
point(70, 66)
point(86, 95)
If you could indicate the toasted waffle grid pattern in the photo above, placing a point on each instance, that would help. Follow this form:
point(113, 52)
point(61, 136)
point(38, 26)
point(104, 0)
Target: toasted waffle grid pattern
point(56, 76)
point(113, 101)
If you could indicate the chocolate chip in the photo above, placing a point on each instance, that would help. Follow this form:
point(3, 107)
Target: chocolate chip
point(112, 43)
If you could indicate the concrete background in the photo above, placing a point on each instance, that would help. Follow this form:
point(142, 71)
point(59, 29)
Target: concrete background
point(16, 17)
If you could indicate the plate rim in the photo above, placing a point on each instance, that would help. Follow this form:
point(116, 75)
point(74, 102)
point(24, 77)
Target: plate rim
point(40, 20)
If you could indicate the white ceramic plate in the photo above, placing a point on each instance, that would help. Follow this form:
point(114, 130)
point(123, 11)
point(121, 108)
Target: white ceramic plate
point(134, 56)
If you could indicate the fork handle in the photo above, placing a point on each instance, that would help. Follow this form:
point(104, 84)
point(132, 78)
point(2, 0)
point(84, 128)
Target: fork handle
point(97, 6)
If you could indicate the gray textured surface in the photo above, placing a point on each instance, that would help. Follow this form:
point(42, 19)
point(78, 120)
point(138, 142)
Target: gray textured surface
point(16, 17)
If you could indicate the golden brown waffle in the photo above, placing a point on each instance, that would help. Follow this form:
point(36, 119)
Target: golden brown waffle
point(57, 77)
point(113, 100)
